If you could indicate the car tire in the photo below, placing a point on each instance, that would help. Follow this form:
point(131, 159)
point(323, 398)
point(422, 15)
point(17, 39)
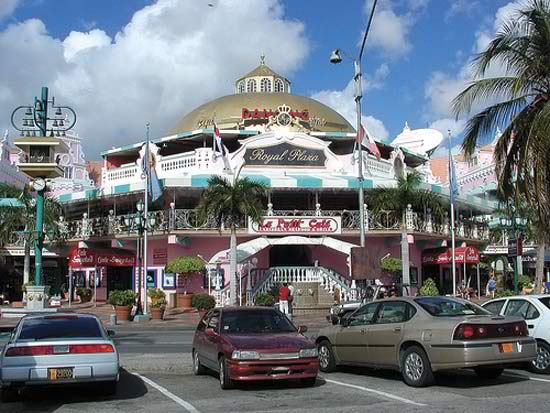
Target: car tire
point(108, 388)
point(198, 368)
point(225, 381)
point(327, 362)
point(308, 382)
point(488, 372)
point(541, 365)
point(9, 394)
point(416, 367)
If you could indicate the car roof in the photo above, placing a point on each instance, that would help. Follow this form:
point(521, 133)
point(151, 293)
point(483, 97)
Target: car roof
point(59, 316)
point(245, 309)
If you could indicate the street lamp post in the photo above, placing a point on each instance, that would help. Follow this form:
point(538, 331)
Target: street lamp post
point(39, 139)
point(516, 224)
point(141, 222)
point(335, 58)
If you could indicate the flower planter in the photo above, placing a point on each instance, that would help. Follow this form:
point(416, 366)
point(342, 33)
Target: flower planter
point(123, 312)
point(527, 290)
point(184, 300)
point(157, 313)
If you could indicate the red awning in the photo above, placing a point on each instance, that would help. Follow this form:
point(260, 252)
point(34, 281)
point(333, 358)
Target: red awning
point(92, 257)
point(444, 256)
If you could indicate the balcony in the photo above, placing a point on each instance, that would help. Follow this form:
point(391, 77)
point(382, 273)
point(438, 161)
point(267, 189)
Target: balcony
point(173, 221)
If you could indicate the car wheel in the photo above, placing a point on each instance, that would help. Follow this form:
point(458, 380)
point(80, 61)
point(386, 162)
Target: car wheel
point(309, 381)
point(488, 372)
point(9, 394)
point(541, 364)
point(327, 362)
point(108, 388)
point(225, 381)
point(416, 367)
point(198, 368)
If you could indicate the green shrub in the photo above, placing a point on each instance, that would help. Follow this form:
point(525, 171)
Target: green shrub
point(157, 296)
point(85, 294)
point(391, 265)
point(184, 265)
point(124, 298)
point(159, 303)
point(264, 299)
point(525, 282)
point(203, 301)
point(429, 288)
point(503, 293)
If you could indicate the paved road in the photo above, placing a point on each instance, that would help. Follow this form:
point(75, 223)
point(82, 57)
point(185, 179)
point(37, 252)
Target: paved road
point(158, 377)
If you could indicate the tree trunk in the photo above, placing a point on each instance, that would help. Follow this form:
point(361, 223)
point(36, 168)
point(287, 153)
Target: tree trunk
point(539, 277)
point(27, 261)
point(233, 267)
point(405, 261)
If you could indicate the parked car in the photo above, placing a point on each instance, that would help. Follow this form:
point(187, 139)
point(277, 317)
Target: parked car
point(58, 349)
point(535, 309)
point(253, 343)
point(421, 335)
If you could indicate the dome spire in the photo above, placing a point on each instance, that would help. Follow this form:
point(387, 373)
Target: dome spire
point(262, 59)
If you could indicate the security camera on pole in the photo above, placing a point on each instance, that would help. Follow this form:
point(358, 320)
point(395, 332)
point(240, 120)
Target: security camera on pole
point(40, 141)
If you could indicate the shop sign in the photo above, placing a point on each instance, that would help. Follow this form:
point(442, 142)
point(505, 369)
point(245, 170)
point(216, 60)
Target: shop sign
point(160, 256)
point(266, 114)
point(284, 154)
point(296, 225)
point(85, 257)
point(515, 247)
point(469, 255)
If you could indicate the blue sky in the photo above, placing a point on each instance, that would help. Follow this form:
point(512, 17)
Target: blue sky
point(108, 62)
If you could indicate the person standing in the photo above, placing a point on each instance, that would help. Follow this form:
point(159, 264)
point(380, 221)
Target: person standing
point(492, 286)
point(290, 300)
point(284, 293)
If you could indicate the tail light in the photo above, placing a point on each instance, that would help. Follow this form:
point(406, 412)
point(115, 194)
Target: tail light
point(51, 350)
point(479, 331)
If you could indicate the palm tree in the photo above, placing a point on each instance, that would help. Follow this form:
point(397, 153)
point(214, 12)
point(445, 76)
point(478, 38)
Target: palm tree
point(19, 217)
point(519, 103)
point(228, 203)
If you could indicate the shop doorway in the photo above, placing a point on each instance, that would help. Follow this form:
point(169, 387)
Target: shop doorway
point(290, 256)
point(119, 278)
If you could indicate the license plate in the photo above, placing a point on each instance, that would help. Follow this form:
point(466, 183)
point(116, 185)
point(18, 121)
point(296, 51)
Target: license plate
point(64, 373)
point(506, 347)
point(279, 370)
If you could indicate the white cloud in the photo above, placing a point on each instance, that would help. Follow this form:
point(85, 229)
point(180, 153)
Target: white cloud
point(171, 57)
point(445, 124)
point(457, 7)
point(7, 7)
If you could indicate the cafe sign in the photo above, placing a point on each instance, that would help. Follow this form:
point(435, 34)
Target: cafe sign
point(284, 154)
point(296, 225)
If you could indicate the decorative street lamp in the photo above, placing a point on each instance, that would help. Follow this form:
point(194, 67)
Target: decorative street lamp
point(40, 127)
point(141, 222)
point(516, 225)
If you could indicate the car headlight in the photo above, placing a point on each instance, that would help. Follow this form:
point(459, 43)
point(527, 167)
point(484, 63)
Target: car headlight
point(245, 355)
point(309, 352)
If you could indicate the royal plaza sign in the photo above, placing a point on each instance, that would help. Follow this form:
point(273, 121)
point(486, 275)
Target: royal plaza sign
point(284, 154)
point(296, 225)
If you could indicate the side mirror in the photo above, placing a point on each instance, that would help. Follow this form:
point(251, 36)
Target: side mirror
point(302, 329)
point(111, 333)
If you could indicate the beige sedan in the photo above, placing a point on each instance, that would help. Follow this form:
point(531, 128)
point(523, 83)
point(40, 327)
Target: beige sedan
point(421, 335)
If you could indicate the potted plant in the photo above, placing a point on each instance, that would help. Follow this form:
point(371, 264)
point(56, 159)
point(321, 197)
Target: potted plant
point(429, 288)
point(185, 267)
point(525, 284)
point(265, 300)
point(122, 300)
point(158, 303)
point(203, 303)
point(85, 294)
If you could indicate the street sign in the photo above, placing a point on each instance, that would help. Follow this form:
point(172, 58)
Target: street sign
point(515, 247)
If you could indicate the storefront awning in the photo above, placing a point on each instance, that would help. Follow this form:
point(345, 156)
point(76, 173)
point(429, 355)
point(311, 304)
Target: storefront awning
point(443, 256)
point(113, 257)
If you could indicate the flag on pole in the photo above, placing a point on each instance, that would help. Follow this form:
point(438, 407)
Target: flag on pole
point(453, 186)
point(150, 160)
point(367, 141)
point(221, 147)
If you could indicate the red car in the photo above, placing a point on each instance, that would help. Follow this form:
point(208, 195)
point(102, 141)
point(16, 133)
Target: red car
point(253, 343)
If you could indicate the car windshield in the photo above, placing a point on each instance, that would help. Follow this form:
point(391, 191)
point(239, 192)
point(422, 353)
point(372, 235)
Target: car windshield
point(60, 327)
point(448, 307)
point(255, 322)
point(545, 301)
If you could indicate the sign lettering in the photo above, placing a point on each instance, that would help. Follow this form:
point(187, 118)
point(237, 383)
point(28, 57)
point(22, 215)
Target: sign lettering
point(296, 225)
point(284, 154)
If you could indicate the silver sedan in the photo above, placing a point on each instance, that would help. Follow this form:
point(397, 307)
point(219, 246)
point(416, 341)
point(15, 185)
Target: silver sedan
point(58, 349)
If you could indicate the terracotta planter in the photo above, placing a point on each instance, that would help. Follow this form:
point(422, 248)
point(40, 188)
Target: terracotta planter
point(184, 300)
point(123, 312)
point(157, 313)
point(527, 290)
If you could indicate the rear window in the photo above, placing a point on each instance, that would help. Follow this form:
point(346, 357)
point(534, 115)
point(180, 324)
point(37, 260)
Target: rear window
point(256, 322)
point(53, 328)
point(448, 307)
point(545, 301)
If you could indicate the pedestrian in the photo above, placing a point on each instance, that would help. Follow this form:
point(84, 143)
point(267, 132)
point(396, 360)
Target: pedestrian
point(492, 286)
point(290, 301)
point(284, 293)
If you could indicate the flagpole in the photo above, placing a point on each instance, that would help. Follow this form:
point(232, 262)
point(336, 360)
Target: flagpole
point(451, 189)
point(146, 219)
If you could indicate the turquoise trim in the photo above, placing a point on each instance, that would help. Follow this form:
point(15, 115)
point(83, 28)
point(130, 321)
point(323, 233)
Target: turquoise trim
point(353, 182)
point(65, 198)
point(119, 189)
point(436, 189)
point(258, 178)
point(200, 181)
point(307, 181)
point(10, 202)
point(122, 148)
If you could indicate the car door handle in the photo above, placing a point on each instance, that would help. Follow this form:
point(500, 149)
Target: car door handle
point(530, 326)
point(397, 329)
point(363, 331)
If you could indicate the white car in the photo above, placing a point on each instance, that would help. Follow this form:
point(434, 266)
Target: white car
point(535, 309)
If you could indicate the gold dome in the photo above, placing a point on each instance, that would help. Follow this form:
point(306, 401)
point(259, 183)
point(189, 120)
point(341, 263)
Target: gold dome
point(228, 112)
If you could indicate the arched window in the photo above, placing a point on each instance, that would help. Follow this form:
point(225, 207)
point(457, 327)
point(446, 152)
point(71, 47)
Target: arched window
point(240, 86)
point(265, 85)
point(251, 86)
point(279, 86)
